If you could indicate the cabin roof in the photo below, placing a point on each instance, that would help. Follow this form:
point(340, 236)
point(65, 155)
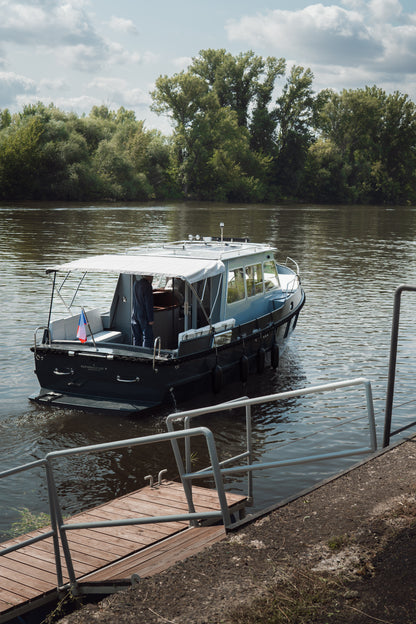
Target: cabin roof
point(205, 248)
point(191, 261)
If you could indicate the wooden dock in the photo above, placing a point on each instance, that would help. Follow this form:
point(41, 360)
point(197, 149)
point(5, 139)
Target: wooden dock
point(111, 555)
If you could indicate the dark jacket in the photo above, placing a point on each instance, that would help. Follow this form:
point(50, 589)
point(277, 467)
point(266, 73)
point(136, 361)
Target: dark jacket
point(143, 301)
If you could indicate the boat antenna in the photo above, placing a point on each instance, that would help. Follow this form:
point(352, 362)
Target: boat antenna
point(222, 231)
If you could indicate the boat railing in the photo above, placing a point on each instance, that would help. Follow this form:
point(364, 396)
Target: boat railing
point(292, 283)
point(157, 345)
point(59, 527)
point(388, 433)
point(46, 336)
point(289, 259)
point(249, 467)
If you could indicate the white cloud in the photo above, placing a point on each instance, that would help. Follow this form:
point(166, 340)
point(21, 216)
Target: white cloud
point(12, 85)
point(315, 32)
point(365, 43)
point(85, 58)
point(182, 62)
point(120, 24)
point(53, 84)
point(65, 28)
point(54, 23)
point(385, 10)
point(118, 90)
point(79, 104)
point(119, 55)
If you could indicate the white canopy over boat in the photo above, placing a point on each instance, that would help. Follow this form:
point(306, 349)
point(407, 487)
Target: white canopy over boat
point(188, 269)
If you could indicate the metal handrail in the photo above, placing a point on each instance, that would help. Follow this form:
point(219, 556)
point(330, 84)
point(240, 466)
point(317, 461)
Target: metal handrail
point(35, 341)
point(246, 403)
point(60, 527)
point(158, 341)
point(295, 263)
point(216, 469)
point(52, 533)
point(392, 365)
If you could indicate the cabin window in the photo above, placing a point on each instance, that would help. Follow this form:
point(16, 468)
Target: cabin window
point(236, 290)
point(271, 278)
point(254, 280)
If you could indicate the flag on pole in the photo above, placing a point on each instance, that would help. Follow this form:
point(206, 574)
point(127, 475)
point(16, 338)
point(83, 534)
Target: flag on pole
point(82, 328)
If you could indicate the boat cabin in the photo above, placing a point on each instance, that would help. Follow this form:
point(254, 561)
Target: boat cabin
point(200, 289)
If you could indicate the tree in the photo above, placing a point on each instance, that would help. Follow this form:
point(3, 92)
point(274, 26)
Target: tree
point(375, 135)
point(294, 114)
point(19, 158)
point(5, 118)
point(220, 91)
point(244, 83)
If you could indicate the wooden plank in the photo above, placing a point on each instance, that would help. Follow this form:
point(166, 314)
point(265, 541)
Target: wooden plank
point(29, 588)
point(111, 553)
point(160, 556)
point(9, 599)
point(27, 570)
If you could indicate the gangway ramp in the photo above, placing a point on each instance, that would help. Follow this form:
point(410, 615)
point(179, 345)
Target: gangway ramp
point(105, 555)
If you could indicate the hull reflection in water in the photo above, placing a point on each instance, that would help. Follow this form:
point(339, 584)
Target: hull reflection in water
point(222, 308)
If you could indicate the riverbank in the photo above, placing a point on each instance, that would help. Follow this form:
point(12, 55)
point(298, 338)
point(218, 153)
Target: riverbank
point(343, 552)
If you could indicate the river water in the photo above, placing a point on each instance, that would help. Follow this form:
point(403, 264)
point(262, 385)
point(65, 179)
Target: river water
point(351, 259)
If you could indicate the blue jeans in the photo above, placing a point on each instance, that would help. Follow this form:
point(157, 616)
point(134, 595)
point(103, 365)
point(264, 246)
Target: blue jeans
point(142, 333)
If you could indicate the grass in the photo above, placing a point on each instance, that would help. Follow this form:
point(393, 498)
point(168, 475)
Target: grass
point(302, 599)
point(28, 522)
point(338, 542)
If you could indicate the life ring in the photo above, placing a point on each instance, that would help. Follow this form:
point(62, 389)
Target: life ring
point(217, 378)
point(244, 368)
point(274, 355)
point(261, 359)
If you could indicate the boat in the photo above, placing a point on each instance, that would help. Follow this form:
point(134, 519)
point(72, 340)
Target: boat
point(224, 309)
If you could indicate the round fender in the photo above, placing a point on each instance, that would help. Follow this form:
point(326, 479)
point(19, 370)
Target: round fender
point(217, 378)
point(244, 368)
point(261, 359)
point(274, 355)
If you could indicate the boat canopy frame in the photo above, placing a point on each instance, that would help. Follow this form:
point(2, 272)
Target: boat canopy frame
point(188, 269)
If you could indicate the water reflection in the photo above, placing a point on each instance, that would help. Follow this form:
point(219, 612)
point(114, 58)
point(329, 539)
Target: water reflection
point(351, 258)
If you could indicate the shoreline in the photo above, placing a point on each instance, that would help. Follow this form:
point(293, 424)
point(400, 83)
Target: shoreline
point(339, 528)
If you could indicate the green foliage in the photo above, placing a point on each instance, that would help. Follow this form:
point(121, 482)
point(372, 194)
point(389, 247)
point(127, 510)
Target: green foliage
point(28, 522)
point(230, 141)
point(48, 154)
point(19, 157)
point(5, 118)
point(338, 542)
point(374, 137)
point(219, 109)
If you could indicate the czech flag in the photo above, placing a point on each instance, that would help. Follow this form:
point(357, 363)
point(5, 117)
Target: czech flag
point(82, 328)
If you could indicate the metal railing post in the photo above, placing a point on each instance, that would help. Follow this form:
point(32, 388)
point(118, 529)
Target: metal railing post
point(219, 484)
point(186, 485)
point(370, 413)
point(57, 519)
point(54, 522)
point(393, 360)
point(249, 453)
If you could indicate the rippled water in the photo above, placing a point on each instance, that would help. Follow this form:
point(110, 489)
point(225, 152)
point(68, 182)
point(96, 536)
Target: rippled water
point(351, 260)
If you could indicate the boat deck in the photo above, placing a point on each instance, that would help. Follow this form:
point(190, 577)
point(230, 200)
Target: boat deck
point(104, 557)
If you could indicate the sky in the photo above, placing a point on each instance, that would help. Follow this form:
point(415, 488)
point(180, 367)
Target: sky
point(81, 53)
